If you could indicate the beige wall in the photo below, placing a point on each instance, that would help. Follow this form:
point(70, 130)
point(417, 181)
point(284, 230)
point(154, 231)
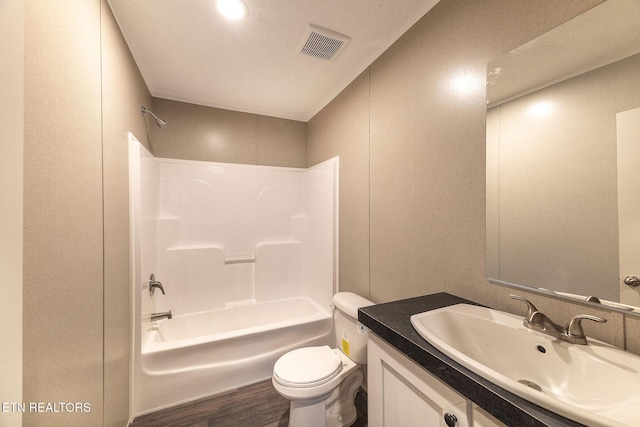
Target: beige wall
point(11, 169)
point(428, 143)
point(80, 101)
point(123, 93)
point(424, 162)
point(343, 129)
point(63, 245)
point(197, 132)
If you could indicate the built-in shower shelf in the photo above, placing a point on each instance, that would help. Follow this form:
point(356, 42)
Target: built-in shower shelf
point(277, 242)
point(192, 247)
point(252, 258)
point(240, 259)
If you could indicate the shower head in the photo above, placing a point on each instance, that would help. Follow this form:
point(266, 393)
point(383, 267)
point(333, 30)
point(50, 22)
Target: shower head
point(159, 122)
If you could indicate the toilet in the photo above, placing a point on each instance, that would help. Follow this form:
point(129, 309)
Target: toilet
point(322, 382)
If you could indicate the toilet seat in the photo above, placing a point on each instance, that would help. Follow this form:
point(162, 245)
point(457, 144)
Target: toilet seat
point(307, 367)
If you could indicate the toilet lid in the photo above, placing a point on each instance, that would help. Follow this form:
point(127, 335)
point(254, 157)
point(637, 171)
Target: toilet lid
point(306, 367)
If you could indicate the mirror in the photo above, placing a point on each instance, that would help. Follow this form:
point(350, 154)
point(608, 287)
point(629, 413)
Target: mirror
point(557, 109)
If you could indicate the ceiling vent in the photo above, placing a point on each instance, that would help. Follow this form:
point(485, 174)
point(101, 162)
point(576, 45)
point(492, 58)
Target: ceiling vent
point(321, 43)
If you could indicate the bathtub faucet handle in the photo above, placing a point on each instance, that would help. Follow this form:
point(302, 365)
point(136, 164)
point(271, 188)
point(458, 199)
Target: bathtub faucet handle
point(153, 284)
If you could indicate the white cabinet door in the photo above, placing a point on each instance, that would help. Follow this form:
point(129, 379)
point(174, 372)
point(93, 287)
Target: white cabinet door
point(403, 394)
point(484, 419)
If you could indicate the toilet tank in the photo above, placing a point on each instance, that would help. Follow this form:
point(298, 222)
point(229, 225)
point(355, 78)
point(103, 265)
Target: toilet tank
point(351, 335)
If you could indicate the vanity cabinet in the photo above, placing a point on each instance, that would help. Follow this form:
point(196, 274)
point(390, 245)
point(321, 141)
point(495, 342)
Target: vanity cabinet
point(401, 393)
point(482, 418)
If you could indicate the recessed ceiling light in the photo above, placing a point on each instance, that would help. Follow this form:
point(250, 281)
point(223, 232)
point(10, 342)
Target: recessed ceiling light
point(232, 9)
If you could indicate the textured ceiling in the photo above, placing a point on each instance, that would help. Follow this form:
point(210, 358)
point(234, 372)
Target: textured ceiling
point(187, 51)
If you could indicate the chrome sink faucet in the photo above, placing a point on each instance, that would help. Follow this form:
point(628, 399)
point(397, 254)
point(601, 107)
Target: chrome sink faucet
point(538, 321)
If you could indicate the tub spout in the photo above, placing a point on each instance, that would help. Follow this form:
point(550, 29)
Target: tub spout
point(157, 316)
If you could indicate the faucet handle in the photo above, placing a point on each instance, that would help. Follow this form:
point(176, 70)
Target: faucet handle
point(531, 309)
point(574, 327)
point(153, 284)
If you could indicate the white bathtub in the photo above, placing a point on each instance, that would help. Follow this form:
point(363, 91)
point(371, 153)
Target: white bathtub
point(201, 354)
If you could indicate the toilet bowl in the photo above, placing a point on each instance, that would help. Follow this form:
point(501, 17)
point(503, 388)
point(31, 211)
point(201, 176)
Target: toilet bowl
point(322, 382)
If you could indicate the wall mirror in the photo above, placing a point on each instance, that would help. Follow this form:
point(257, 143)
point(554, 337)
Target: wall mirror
point(563, 159)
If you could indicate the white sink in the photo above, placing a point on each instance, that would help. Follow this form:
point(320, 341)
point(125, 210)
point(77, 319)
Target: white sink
point(595, 384)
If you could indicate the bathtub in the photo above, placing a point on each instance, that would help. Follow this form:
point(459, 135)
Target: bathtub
point(201, 354)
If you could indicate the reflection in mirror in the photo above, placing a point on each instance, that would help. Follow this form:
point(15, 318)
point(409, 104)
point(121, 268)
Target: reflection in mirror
point(560, 109)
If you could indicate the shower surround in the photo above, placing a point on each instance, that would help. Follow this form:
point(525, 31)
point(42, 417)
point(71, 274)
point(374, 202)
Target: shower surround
point(247, 258)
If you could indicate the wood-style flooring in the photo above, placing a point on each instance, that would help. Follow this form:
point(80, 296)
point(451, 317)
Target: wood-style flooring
point(256, 405)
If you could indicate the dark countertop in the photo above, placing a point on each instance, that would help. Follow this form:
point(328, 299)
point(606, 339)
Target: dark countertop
point(390, 321)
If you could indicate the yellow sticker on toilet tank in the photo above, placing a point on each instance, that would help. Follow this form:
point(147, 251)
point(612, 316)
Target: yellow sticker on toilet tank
point(345, 347)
